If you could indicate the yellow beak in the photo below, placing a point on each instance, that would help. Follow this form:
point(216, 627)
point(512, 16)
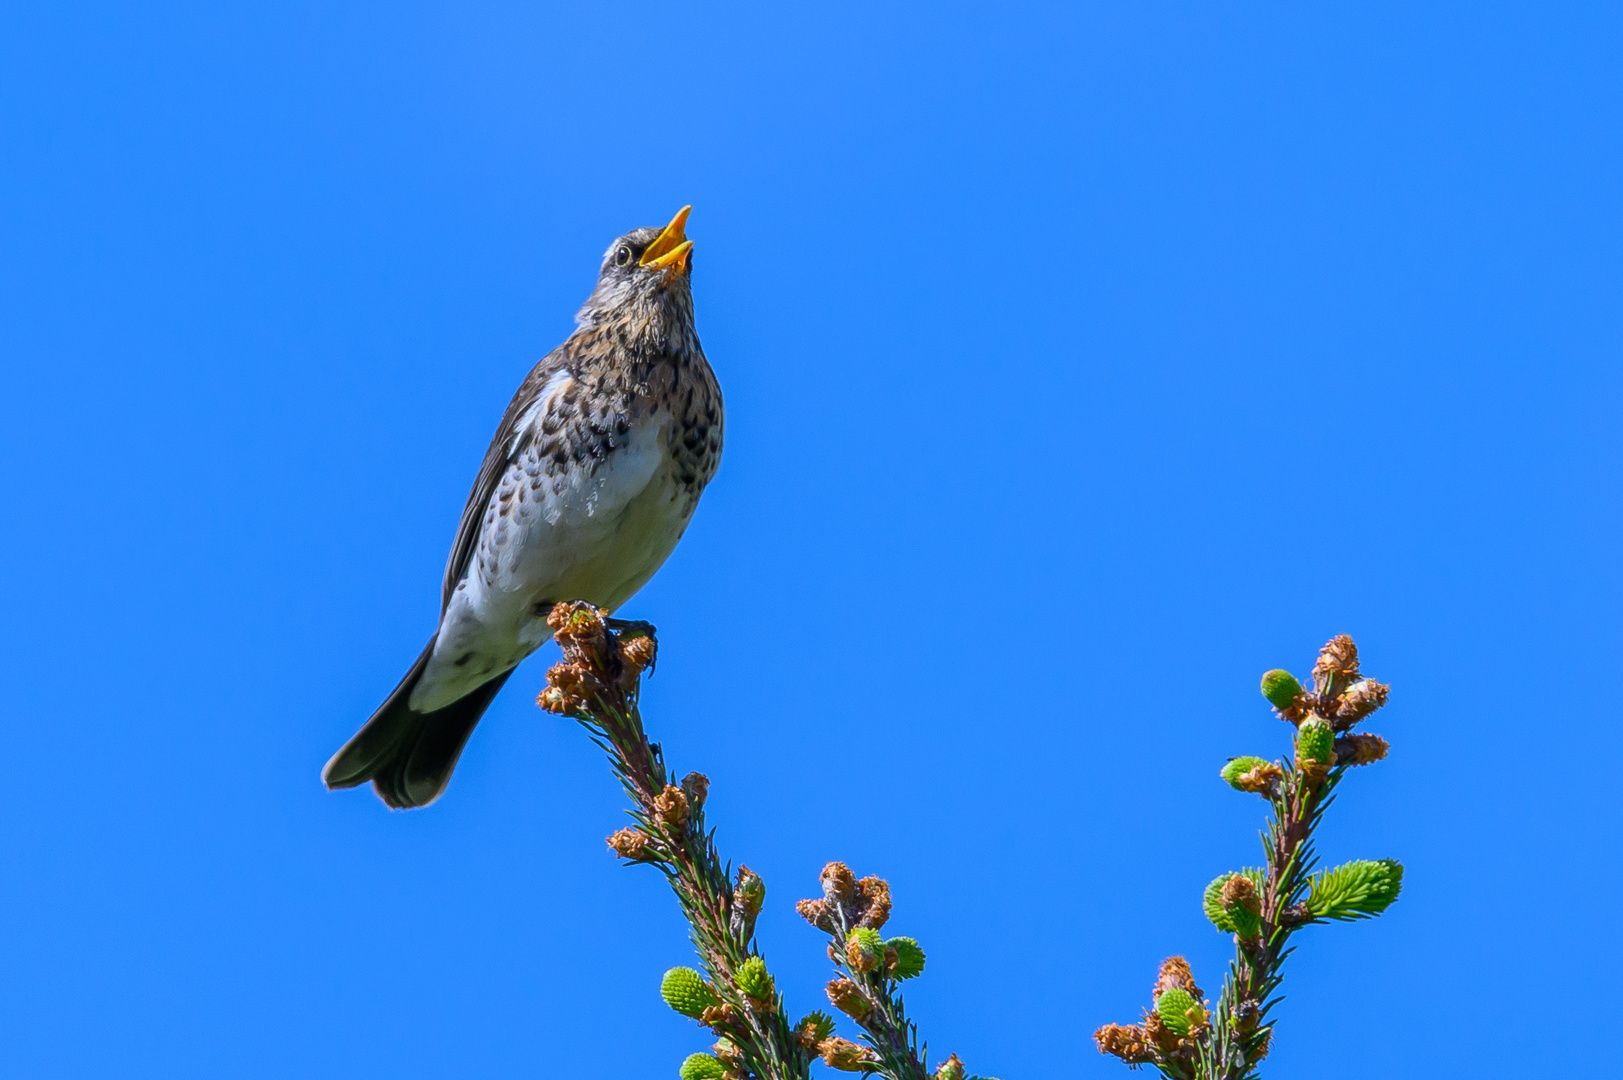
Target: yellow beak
point(670, 248)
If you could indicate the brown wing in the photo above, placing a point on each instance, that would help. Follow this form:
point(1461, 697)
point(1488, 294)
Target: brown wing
point(503, 448)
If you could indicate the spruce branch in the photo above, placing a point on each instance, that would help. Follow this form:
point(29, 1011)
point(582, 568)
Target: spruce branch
point(1263, 907)
point(868, 969)
point(597, 683)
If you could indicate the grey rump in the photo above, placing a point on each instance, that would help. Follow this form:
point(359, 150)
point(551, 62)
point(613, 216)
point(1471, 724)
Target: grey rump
point(588, 484)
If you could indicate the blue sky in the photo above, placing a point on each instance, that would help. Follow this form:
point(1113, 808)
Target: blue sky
point(1081, 362)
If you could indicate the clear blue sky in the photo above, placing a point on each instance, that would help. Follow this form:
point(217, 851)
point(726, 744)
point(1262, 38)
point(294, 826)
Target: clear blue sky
point(1081, 364)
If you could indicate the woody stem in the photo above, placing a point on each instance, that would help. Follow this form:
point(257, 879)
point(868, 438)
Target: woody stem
point(696, 875)
point(885, 1023)
point(1239, 1029)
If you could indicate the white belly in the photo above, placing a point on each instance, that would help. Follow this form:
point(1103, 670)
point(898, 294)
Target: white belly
point(595, 534)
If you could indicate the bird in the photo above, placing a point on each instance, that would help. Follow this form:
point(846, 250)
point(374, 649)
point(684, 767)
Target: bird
point(589, 483)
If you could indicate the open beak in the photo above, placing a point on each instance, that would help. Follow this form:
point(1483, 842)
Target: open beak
point(670, 249)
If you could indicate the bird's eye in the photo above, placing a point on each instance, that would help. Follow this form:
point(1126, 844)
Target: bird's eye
point(622, 255)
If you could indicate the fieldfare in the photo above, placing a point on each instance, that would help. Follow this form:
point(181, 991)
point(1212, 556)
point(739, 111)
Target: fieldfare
point(587, 486)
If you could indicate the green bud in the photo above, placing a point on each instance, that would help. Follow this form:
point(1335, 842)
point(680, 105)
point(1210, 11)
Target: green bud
point(864, 949)
point(909, 957)
point(1212, 901)
point(702, 1067)
point(1357, 890)
point(1280, 688)
point(1239, 767)
point(686, 991)
point(1315, 741)
point(754, 980)
point(1173, 1007)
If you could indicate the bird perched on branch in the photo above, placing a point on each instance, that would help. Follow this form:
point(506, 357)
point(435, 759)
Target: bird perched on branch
point(590, 481)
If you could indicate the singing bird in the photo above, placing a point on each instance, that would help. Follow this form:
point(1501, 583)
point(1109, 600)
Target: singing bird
point(589, 482)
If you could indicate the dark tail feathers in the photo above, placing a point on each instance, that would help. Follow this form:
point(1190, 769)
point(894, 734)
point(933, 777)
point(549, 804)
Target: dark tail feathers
point(409, 755)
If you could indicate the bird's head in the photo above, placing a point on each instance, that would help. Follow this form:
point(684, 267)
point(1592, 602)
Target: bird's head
point(644, 276)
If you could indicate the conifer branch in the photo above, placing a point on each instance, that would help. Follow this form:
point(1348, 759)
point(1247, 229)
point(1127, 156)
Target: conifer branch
point(868, 968)
point(1264, 907)
point(597, 683)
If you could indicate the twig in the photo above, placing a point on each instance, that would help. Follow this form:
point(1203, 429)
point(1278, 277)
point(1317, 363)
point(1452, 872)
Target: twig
point(868, 969)
point(597, 684)
point(1264, 908)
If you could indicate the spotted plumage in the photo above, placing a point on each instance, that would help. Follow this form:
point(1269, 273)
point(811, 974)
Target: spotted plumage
point(589, 482)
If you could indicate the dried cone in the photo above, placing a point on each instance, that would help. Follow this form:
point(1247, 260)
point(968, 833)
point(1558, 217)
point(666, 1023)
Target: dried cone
point(1126, 1041)
point(696, 786)
point(671, 805)
point(951, 1069)
point(873, 897)
point(721, 1019)
point(1176, 975)
point(815, 912)
point(845, 1056)
point(838, 882)
point(1359, 700)
point(571, 687)
point(1361, 749)
point(554, 700)
point(1336, 666)
point(577, 625)
point(637, 654)
point(574, 679)
point(629, 844)
point(1157, 1032)
point(848, 997)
